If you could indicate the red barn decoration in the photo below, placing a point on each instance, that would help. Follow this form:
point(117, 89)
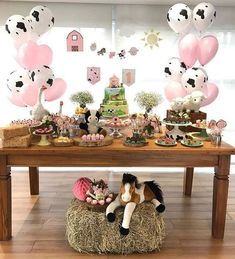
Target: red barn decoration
point(74, 41)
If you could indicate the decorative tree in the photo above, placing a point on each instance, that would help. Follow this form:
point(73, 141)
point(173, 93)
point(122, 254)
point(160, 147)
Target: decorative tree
point(82, 98)
point(148, 101)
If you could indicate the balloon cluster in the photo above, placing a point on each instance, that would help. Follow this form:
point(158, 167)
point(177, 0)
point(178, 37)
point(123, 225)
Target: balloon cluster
point(184, 77)
point(33, 58)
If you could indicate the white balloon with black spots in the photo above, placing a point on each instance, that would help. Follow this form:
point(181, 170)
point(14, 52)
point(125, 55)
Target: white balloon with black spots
point(18, 27)
point(42, 19)
point(179, 17)
point(175, 69)
point(204, 15)
point(194, 79)
point(17, 80)
point(43, 76)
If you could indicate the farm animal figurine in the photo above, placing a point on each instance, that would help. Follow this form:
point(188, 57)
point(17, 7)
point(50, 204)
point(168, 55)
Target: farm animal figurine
point(132, 193)
point(91, 124)
point(193, 101)
point(39, 111)
point(177, 104)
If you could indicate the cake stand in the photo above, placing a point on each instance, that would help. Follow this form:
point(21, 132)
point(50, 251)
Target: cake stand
point(116, 128)
point(202, 135)
point(44, 140)
point(176, 133)
point(116, 132)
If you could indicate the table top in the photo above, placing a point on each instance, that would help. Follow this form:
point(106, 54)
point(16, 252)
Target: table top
point(118, 146)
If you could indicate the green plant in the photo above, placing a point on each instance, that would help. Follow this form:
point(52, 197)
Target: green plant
point(148, 100)
point(82, 97)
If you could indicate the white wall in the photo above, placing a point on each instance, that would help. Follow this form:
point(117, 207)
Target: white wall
point(95, 23)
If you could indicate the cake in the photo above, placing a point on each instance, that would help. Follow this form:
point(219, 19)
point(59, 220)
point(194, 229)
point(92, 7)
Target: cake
point(114, 102)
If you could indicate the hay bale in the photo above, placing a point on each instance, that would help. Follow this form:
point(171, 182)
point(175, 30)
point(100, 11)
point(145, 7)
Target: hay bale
point(90, 232)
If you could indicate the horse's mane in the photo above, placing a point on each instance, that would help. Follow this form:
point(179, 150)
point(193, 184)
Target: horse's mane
point(130, 178)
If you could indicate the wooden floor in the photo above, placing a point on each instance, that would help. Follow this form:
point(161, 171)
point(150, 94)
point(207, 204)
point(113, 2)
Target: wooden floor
point(39, 222)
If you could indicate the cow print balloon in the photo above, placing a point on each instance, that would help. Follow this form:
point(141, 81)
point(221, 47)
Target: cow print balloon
point(42, 19)
point(194, 79)
point(18, 27)
point(17, 80)
point(179, 17)
point(42, 77)
point(204, 15)
point(175, 69)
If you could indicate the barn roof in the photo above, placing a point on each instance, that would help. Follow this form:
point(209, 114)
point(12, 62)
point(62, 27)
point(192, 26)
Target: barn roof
point(75, 32)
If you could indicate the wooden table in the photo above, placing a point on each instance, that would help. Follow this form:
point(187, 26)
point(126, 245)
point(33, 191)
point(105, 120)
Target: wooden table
point(116, 155)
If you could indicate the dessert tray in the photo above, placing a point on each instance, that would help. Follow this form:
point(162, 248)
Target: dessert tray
point(94, 140)
point(116, 124)
point(131, 142)
point(63, 142)
point(43, 133)
point(166, 142)
point(192, 143)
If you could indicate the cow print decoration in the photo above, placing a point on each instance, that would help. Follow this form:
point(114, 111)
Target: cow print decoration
point(17, 80)
point(18, 28)
point(42, 19)
point(204, 15)
point(194, 79)
point(179, 17)
point(175, 69)
point(43, 76)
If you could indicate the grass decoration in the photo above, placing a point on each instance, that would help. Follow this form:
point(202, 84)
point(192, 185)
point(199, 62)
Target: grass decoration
point(89, 231)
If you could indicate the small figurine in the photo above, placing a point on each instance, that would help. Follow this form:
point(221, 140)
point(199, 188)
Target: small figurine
point(114, 82)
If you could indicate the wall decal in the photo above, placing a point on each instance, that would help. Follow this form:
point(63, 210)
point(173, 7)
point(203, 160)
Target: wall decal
point(112, 54)
point(133, 51)
point(93, 46)
point(151, 39)
point(128, 76)
point(122, 54)
point(101, 52)
point(93, 75)
point(74, 41)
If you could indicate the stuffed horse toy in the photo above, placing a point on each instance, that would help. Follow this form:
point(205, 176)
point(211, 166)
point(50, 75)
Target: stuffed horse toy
point(132, 193)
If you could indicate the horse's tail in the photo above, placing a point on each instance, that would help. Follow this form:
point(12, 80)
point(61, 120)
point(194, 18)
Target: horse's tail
point(156, 189)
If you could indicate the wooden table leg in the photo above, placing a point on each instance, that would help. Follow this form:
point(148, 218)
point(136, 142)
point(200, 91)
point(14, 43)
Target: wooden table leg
point(188, 181)
point(34, 180)
point(220, 196)
point(5, 200)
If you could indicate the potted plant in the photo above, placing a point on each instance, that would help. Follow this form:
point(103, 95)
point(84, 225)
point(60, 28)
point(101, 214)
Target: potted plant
point(82, 98)
point(148, 101)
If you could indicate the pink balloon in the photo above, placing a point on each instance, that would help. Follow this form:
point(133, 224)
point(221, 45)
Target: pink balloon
point(173, 90)
point(211, 93)
point(188, 49)
point(30, 95)
point(31, 55)
point(208, 47)
point(16, 100)
point(56, 90)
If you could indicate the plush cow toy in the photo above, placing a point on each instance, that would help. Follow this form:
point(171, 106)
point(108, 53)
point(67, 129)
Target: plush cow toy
point(91, 124)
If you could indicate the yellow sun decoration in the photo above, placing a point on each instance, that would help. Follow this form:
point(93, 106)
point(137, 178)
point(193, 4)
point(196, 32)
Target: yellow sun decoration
point(151, 38)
